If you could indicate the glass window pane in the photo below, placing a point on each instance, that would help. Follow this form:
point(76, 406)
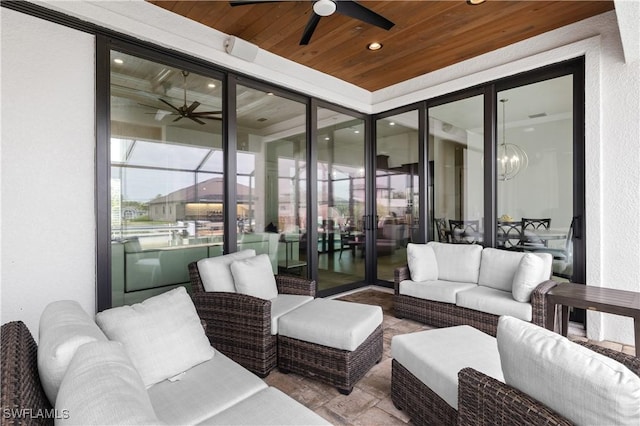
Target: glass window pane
point(271, 176)
point(456, 151)
point(166, 206)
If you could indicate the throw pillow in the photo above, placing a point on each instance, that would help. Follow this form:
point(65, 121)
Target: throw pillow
point(527, 277)
point(64, 327)
point(422, 262)
point(102, 387)
point(254, 277)
point(215, 273)
point(579, 384)
point(163, 335)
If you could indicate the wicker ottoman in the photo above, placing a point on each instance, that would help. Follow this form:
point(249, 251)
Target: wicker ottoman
point(425, 366)
point(333, 341)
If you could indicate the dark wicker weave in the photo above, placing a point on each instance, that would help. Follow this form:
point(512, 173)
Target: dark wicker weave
point(421, 404)
point(23, 399)
point(238, 325)
point(482, 400)
point(441, 314)
point(336, 367)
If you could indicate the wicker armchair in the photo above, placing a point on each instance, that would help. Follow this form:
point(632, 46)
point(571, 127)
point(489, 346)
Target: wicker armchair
point(22, 393)
point(239, 325)
point(482, 400)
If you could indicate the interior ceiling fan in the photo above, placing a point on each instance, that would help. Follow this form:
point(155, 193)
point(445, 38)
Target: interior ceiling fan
point(328, 7)
point(189, 112)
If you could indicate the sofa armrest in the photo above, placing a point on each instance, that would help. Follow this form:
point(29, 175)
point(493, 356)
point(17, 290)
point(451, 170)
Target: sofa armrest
point(483, 400)
point(296, 285)
point(630, 361)
point(400, 274)
point(539, 302)
point(232, 314)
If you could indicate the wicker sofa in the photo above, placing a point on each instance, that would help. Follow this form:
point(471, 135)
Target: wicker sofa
point(491, 273)
point(101, 383)
point(240, 325)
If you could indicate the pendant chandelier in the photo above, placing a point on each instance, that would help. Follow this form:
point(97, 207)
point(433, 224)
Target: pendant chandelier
point(511, 158)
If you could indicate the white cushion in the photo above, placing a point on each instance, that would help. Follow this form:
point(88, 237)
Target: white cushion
point(458, 262)
point(438, 291)
point(422, 262)
point(333, 323)
point(492, 301)
point(163, 335)
point(203, 391)
point(436, 356)
point(102, 387)
point(269, 407)
point(579, 384)
point(254, 276)
point(215, 272)
point(64, 327)
point(283, 304)
point(527, 277)
point(498, 268)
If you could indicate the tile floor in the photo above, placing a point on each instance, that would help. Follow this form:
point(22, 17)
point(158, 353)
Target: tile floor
point(370, 402)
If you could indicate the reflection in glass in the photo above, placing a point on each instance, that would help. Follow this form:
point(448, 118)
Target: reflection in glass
point(456, 150)
point(397, 190)
point(166, 175)
point(271, 179)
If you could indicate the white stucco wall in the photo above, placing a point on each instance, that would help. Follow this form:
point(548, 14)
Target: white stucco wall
point(48, 168)
point(56, 167)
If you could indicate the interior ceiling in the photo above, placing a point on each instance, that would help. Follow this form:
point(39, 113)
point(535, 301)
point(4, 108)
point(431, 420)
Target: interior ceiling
point(427, 36)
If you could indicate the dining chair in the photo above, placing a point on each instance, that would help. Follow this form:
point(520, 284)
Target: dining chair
point(529, 226)
point(441, 229)
point(509, 234)
point(465, 231)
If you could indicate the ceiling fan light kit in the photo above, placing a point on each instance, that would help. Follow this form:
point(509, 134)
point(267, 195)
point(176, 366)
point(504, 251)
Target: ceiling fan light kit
point(324, 7)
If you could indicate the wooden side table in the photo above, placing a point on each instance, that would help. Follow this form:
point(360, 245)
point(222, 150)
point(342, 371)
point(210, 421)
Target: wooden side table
point(610, 300)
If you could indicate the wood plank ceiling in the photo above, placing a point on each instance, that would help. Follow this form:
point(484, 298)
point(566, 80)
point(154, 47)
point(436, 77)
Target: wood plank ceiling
point(427, 36)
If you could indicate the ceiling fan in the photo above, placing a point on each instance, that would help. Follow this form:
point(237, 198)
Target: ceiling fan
point(189, 112)
point(328, 7)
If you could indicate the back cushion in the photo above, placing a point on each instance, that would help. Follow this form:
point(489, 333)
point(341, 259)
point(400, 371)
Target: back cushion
point(579, 384)
point(423, 265)
point(216, 274)
point(499, 267)
point(64, 327)
point(458, 262)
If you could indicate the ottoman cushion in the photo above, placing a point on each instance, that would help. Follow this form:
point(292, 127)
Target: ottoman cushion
point(436, 356)
point(332, 323)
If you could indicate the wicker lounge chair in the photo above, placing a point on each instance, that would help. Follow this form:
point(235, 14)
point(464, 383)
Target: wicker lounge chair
point(239, 325)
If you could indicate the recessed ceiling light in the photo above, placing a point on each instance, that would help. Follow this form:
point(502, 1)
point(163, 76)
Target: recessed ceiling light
point(374, 46)
point(118, 61)
point(327, 138)
point(392, 123)
point(475, 2)
point(356, 131)
point(211, 85)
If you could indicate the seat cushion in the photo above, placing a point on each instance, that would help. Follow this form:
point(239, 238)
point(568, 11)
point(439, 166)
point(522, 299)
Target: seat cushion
point(436, 356)
point(438, 291)
point(457, 262)
point(581, 385)
point(254, 276)
point(492, 301)
point(422, 262)
point(203, 391)
point(102, 387)
point(267, 407)
point(64, 327)
point(163, 335)
point(332, 323)
point(285, 303)
point(215, 272)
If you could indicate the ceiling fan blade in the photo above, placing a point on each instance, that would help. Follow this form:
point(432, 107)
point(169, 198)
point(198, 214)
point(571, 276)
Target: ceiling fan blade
point(310, 28)
point(357, 11)
point(195, 119)
point(207, 112)
point(208, 118)
point(242, 3)
point(193, 106)
point(163, 101)
point(178, 118)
